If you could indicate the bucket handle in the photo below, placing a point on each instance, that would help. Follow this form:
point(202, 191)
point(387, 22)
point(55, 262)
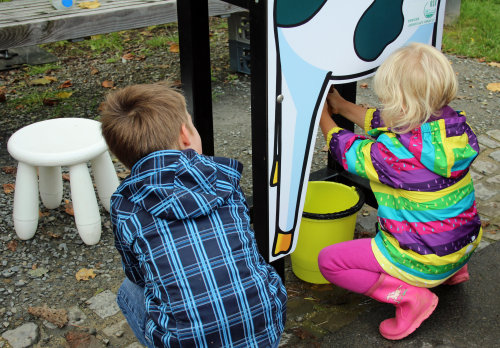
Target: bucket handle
point(340, 214)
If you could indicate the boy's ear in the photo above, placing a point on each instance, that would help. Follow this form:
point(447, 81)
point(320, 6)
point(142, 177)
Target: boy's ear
point(184, 137)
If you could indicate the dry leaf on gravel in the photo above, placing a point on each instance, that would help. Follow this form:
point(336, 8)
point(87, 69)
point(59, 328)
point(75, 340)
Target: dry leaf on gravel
point(174, 48)
point(85, 274)
point(68, 207)
point(128, 56)
point(108, 84)
point(8, 188)
point(64, 95)
point(65, 84)
point(58, 317)
point(494, 87)
point(12, 245)
point(40, 82)
point(50, 101)
point(494, 64)
point(65, 176)
point(9, 170)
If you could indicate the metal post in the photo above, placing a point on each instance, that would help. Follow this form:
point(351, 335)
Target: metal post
point(194, 44)
point(258, 63)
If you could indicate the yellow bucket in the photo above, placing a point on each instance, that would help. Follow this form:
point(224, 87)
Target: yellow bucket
point(329, 217)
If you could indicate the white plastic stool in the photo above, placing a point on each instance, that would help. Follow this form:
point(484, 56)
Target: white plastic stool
point(49, 145)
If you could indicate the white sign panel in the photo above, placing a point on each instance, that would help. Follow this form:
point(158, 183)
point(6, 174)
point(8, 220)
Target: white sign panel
point(311, 45)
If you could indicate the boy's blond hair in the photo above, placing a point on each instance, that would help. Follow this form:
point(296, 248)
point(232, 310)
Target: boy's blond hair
point(140, 119)
point(413, 84)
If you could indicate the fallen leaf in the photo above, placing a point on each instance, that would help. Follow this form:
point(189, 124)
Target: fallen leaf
point(40, 82)
point(108, 84)
point(54, 235)
point(58, 317)
point(123, 175)
point(40, 214)
point(64, 95)
point(9, 170)
point(94, 71)
point(65, 176)
point(174, 48)
point(38, 272)
point(494, 64)
point(65, 84)
point(12, 245)
point(128, 56)
point(79, 339)
point(8, 188)
point(50, 101)
point(302, 334)
point(495, 87)
point(89, 4)
point(85, 274)
point(364, 85)
point(50, 78)
point(68, 207)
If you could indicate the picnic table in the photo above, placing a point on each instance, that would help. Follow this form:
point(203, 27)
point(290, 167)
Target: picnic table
point(34, 22)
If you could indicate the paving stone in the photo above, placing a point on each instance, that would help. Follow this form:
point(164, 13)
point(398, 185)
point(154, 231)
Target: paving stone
point(76, 316)
point(23, 336)
point(104, 304)
point(115, 328)
point(135, 345)
point(494, 133)
point(487, 141)
point(495, 155)
point(483, 192)
point(492, 234)
point(494, 180)
point(490, 209)
point(475, 176)
point(485, 167)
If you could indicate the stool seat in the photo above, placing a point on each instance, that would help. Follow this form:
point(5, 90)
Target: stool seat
point(57, 142)
point(48, 145)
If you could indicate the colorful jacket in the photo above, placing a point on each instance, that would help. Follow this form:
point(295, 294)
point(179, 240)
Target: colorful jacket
point(428, 222)
point(181, 225)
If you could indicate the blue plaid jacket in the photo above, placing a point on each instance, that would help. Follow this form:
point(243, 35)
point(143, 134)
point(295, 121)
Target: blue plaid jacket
point(181, 225)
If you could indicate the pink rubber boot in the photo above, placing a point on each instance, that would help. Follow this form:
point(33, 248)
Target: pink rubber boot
point(461, 276)
point(413, 305)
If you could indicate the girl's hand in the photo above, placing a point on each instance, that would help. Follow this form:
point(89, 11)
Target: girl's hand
point(335, 101)
point(326, 122)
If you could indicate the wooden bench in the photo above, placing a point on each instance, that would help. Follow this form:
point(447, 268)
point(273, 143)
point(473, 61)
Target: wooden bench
point(34, 22)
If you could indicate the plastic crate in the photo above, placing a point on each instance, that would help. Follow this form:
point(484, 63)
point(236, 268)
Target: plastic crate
point(239, 55)
point(239, 27)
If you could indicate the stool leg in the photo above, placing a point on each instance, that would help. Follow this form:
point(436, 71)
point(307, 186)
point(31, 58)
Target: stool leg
point(51, 186)
point(87, 217)
point(105, 178)
point(25, 214)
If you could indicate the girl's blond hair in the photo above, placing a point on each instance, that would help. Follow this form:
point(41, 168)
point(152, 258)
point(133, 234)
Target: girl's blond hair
point(413, 84)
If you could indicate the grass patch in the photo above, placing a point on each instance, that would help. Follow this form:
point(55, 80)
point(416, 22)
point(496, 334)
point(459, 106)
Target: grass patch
point(32, 70)
point(158, 42)
point(477, 32)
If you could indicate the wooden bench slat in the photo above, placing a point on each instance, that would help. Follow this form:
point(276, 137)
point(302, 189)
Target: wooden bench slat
point(33, 22)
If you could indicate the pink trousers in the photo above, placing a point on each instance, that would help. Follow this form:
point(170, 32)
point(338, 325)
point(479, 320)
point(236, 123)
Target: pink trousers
point(350, 265)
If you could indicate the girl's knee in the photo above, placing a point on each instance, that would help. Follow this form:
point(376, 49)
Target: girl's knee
point(327, 258)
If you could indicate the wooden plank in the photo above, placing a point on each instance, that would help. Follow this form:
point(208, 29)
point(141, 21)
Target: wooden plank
point(33, 22)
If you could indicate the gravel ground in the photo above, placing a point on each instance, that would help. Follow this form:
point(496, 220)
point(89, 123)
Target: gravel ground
point(41, 271)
